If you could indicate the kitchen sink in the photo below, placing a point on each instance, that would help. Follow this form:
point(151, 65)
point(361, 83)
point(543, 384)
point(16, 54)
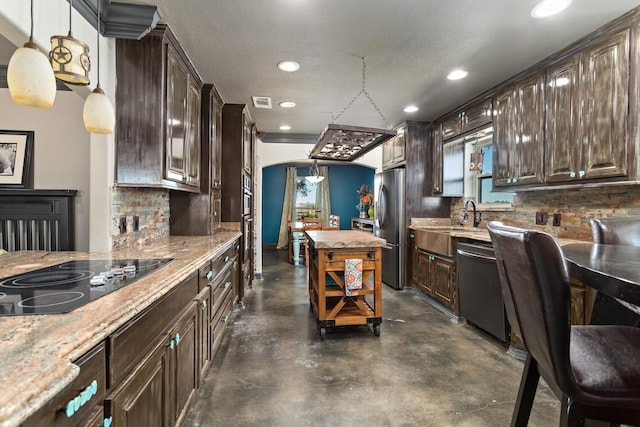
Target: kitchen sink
point(434, 240)
point(437, 239)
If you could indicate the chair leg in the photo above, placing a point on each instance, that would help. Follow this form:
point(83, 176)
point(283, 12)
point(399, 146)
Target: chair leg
point(526, 393)
point(572, 414)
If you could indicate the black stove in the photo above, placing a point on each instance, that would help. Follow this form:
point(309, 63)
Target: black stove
point(64, 287)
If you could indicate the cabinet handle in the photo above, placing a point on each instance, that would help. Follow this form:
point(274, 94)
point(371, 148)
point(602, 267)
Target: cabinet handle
point(177, 338)
point(237, 247)
point(508, 180)
point(81, 399)
point(572, 174)
point(210, 275)
point(226, 258)
point(227, 284)
point(412, 236)
point(581, 173)
point(515, 180)
point(107, 422)
point(215, 213)
point(172, 344)
point(204, 303)
point(226, 318)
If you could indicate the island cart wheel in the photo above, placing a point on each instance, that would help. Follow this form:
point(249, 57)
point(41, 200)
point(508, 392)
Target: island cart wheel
point(323, 332)
point(376, 330)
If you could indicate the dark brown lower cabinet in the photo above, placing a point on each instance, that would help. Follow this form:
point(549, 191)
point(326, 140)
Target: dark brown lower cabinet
point(204, 332)
point(141, 400)
point(435, 276)
point(183, 370)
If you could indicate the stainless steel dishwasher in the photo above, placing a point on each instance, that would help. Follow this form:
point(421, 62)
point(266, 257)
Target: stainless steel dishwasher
point(479, 292)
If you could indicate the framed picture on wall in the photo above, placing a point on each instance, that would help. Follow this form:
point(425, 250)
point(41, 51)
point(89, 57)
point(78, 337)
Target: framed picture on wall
point(16, 158)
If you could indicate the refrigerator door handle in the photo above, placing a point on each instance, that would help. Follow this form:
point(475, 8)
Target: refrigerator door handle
point(382, 207)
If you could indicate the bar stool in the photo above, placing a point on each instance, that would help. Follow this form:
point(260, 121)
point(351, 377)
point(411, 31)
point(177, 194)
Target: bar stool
point(310, 224)
point(594, 370)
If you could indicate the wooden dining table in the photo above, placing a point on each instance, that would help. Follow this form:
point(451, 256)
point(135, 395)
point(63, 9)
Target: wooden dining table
point(613, 270)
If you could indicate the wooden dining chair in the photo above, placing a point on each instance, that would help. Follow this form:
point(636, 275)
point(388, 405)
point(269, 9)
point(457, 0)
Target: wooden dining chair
point(310, 224)
point(615, 231)
point(594, 370)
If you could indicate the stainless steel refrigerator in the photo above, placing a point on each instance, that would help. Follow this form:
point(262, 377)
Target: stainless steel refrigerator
point(389, 224)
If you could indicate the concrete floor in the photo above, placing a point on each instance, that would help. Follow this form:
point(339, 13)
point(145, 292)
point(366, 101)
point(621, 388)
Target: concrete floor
point(272, 369)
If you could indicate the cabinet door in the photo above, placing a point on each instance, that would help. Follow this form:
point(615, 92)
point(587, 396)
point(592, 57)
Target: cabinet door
point(451, 127)
point(216, 147)
point(141, 400)
point(441, 279)
point(562, 150)
point(604, 100)
point(529, 143)
point(204, 332)
point(193, 140)
point(477, 115)
point(176, 116)
point(505, 128)
point(437, 172)
point(247, 143)
point(453, 169)
point(422, 272)
point(182, 364)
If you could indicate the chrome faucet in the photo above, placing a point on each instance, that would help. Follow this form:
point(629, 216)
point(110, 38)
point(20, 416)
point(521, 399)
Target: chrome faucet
point(477, 217)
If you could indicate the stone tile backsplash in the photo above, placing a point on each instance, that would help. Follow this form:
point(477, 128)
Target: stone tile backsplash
point(576, 207)
point(150, 205)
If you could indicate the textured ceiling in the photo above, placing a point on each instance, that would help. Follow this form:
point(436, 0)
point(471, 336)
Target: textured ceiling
point(410, 46)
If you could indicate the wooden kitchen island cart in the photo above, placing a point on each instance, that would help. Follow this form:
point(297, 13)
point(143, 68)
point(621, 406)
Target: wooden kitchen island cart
point(330, 300)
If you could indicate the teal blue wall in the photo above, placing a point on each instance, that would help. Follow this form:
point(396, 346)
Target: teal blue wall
point(344, 182)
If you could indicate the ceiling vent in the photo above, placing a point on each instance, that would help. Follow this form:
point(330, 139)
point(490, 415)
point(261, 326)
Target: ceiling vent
point(261, 101)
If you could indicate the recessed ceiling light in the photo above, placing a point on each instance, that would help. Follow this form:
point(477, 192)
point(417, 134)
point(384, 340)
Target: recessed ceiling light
point(285, 127)
point(549, 7)
point(287, 104)
point(457, 75)
point(410, 109)
point(288, 66)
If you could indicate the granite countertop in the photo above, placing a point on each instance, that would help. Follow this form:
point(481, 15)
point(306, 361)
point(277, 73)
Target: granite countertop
point(344, 239)
point(480, 234)
point(37, 350)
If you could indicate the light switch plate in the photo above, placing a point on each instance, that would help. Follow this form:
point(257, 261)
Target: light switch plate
point(541, 218)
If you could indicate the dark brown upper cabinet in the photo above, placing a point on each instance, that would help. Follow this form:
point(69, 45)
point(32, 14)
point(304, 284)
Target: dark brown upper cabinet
point(586, 104)
point(519, 133)
point(436, 167)
point(158, 128)
point(393, 150)
point(467, 119)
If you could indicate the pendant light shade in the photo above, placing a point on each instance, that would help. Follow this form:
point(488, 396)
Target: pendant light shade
point(98, 113)
point(70, 57)
point(30, 77)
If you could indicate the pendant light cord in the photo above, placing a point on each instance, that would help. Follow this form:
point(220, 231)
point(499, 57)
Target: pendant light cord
point(31, 34)
point(98, 42)
point(70, 9)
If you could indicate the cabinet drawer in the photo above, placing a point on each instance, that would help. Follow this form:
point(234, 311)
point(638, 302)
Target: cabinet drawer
point(80, 399)
point(132, 341)
point(220, 291)
point(220, 322)
point(219, 262)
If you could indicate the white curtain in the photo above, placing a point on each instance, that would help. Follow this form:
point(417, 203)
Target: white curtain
point(288, 207)
point(323, 202)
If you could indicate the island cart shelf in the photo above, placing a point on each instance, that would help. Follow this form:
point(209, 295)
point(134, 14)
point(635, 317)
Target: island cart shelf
point(328, 297)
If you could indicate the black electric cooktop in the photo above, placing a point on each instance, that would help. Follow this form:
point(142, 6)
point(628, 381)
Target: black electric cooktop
point(64, 287)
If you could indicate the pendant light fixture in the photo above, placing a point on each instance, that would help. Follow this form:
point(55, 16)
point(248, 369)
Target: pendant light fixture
point(29, 75)
point(70, 57)
point(98, 114)
point(341, 142)
point(314, 173)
